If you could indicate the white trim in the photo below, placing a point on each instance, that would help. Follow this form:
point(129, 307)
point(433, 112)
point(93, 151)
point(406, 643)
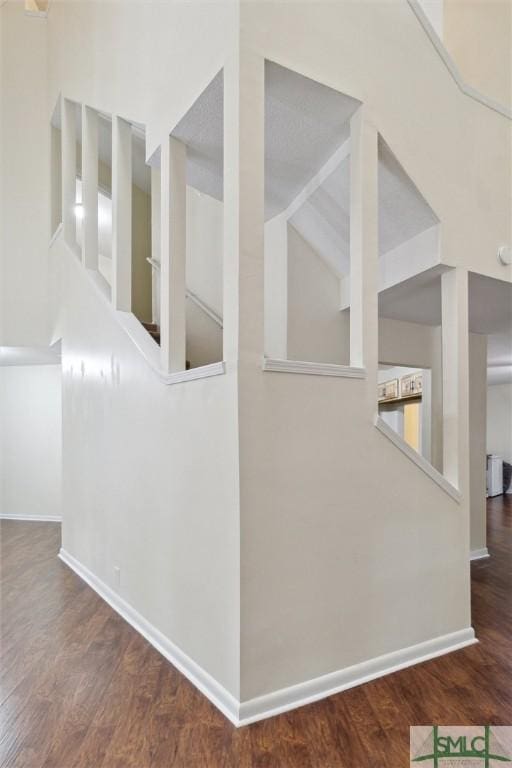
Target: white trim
point(320, 687)
point(315, 369)
point(198, 676)
point(313, 184)
point(33, 518)
point(479, 554)
point(55, 234)
point(202, 372)
point(438, 44)
point(284, 699)
point(37, 14)
point(419, 460)
point(212, 314)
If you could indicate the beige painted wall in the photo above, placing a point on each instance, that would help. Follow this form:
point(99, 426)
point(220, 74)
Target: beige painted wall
point(147, 512)
point(317, 330)
point(24, 178)
point(478, 34)
point(300, 497)
point(141, 250)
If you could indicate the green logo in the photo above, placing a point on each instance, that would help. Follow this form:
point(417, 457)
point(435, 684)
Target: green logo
point(460, 744)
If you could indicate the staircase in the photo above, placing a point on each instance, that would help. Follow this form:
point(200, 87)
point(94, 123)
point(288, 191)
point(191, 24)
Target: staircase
point(154, 331)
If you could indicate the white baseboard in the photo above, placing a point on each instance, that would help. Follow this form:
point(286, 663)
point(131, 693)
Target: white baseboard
point(33, 518)
point(215, 692)
point(479, 554)
point(282, 700)
point(335, 682)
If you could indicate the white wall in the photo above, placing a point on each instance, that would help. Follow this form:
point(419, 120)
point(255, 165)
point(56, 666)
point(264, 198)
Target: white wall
point(241, 494)
point(24, 179)
point(166, 510)
point(30, 440)
point(479, 37)
point(499, 421)
point(317, 330)
point(434, 11)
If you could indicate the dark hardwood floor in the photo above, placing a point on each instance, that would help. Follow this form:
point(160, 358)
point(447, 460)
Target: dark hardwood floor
point(81, 689)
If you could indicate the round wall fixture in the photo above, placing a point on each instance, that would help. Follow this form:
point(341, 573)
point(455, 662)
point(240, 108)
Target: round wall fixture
point(505, 255)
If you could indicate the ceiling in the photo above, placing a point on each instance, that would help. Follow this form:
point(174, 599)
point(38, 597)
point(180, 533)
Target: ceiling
point(324, 219)
point(418, 300)
point(305, 123)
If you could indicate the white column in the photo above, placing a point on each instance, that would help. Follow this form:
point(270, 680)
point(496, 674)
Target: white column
point(454, 287)
point(68, 138)
point(243, 207)
point(155, 242)
point(90, 187)
point(121, 214)
point(173, 254)
point(364, 244)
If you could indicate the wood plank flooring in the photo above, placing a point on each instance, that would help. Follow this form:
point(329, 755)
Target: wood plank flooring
point(81, 689)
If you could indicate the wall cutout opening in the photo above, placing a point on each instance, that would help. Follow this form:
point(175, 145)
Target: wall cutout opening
point(405, 404)
point(141, 230)
point(201, 133)
point(105, 197)
point(56, 168)
point(410, 376)
point(307, 219)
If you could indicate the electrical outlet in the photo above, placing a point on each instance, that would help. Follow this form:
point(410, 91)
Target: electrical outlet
point(117, 576)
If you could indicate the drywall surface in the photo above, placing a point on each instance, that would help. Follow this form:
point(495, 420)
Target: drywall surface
point(380, 54)
point(340, 534)
point(499, 421)
point(434, 10)
point(477, 427)
point(150, 76)
point(326, 501)
point(141, 251)
point(24, 179)
point(165, 511)
point(479, 37)
point(340, 531)
point(205, 249)
point(317, 330)
point(30, 440)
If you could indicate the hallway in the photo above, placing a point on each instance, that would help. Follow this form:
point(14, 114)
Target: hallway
point(81, 689)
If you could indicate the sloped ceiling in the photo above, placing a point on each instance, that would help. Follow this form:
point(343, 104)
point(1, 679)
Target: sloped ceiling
point(305, 123)
point(324, 219)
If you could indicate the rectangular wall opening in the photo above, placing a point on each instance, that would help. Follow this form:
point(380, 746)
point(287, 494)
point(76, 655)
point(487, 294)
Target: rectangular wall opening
point(307, 219)
point(141, 228)
point(201, 133)
point(105, 197)
point(56, 168)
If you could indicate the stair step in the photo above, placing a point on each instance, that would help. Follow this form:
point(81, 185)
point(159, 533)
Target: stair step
point(154, 332)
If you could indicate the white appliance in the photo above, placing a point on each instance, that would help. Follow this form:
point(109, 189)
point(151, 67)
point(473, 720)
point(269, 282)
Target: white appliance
point(494, 475)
